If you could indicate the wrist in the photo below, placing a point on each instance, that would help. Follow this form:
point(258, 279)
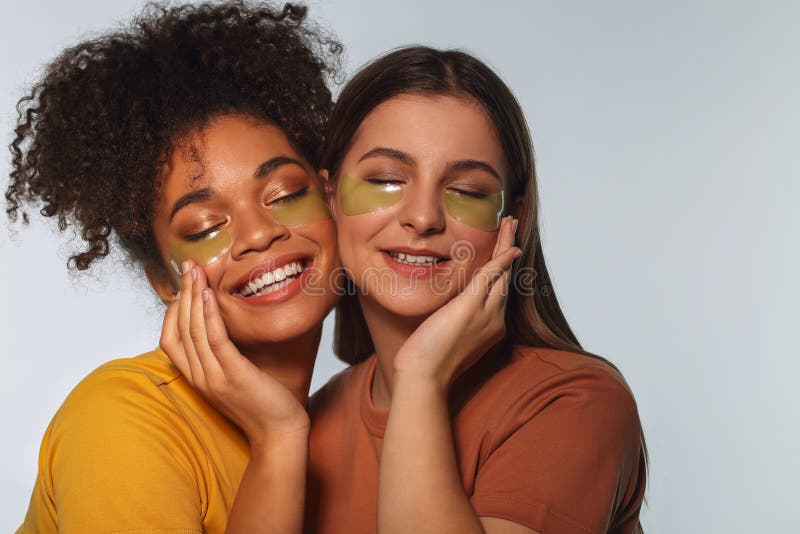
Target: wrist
point(285, 437)
point(420, 382)
point(428, 367)
point(279, 446)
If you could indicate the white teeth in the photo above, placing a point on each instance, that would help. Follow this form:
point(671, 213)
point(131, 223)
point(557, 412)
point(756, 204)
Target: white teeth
point(272, 280)
point(414, 260)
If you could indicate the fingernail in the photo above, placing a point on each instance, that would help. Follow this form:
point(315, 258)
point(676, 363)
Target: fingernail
point(194, 274)
point(184, 267)
point(205, 295)
point(516, 224)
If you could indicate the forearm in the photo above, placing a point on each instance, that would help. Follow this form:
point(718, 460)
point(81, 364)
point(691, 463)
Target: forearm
point(419, 486)
point(271, 495)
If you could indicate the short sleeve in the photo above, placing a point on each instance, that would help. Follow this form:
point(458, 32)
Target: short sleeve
point(117, 457)
point(566, 459)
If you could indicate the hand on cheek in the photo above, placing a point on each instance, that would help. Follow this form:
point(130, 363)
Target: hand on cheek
point(460, 332)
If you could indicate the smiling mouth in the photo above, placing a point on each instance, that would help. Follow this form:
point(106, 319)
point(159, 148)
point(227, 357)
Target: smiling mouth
point(421, 260)
point(273, 280)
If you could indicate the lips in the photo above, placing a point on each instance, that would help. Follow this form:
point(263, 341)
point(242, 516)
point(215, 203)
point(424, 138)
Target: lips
point(271, 265)
point(414, 263)
point(414, 256)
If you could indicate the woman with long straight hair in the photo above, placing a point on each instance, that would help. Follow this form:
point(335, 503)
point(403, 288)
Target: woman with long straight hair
point(426, 150)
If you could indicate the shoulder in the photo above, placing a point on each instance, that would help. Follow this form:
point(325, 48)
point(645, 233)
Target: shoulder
point(153, 367)
point(559, 372)
point(536, 383)
point(118, 428)
point(117, 393)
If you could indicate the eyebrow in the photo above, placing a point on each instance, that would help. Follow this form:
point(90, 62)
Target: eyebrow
point(207, 193)
point(272, 164)
point(190, 198)
point(474, 164)
point(392, 153)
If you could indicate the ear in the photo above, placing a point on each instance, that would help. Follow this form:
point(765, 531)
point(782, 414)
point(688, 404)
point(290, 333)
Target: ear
point(330, 191)
point(163, 283)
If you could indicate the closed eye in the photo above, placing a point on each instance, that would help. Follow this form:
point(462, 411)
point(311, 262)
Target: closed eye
point(472, 194)
point(199, 236)
point(384, 181)
point(290, 197)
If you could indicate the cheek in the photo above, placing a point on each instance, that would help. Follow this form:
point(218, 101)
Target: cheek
point(323, 234)
point(355, 233)
point(349, 241)
point(214, 273)
point(473, 247)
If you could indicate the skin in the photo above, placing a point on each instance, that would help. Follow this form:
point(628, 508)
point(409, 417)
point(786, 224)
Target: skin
point(421, 335)
point(273, 363)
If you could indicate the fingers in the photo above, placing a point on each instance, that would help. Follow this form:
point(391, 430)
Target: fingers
point(184, 325)
point(499, 243)
point(170, 341)
point(504, 254)
point(226, 353)
point(197, 328)
point(496, 300)
point(487, 276)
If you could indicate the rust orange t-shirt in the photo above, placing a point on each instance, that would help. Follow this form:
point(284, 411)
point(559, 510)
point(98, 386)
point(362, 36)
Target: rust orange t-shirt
point(545, 438)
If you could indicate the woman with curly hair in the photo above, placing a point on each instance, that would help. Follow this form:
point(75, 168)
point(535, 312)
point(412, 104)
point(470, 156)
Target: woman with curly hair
point(189, 138)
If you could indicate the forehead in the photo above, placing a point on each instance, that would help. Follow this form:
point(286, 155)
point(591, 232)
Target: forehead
point(431, 127)
point(226, 148)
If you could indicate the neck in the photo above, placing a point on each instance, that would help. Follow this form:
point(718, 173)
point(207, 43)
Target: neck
point(389, 331)
point(290, 362)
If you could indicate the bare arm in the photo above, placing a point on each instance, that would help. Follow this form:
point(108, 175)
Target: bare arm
point(271, 495)
point(419, 488)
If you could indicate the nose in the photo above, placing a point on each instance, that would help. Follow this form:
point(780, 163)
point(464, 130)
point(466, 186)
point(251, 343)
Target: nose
point(256, 231)
point(421, 212)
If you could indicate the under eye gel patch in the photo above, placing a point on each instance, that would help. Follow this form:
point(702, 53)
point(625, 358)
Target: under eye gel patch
point(358, 197)
point(303, 209)
point(483, 213)
point(203, 252)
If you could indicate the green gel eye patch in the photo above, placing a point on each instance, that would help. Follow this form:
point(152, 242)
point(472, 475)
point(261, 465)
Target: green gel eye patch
point(358, 196)
point(203, 252)
point(301, 209)
point(483, 213)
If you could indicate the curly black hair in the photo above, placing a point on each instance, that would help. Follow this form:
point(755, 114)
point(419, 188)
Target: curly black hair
point(94, 134)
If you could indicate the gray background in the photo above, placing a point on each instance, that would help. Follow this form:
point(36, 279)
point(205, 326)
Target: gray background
point(666, 138)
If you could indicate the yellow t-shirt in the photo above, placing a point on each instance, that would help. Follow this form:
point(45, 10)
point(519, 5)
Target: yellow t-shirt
point(134, 449)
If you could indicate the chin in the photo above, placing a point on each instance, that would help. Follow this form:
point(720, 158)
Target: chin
point(281, 329)
point(278, 324)
point(419, 304)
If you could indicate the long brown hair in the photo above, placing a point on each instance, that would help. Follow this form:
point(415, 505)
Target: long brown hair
point(533, 315)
